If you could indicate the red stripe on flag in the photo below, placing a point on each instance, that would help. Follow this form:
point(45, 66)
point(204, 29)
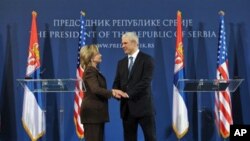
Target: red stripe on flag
point(223, 73)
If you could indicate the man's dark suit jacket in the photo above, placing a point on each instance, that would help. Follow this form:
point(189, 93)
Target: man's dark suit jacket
point(137, 86)
point(94, 108)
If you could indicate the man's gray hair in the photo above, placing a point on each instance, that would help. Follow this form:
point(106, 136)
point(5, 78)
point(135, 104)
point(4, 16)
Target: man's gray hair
point(132, 36)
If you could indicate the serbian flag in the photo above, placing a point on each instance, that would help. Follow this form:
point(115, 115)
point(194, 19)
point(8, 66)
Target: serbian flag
point(33, 116)
point(179, 114)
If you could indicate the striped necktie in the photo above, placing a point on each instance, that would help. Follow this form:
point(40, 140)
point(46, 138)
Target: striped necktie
point(131, 62)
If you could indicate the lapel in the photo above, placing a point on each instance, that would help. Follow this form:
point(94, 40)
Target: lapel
point(101, 79)
point(99, 74)
point(126, 66)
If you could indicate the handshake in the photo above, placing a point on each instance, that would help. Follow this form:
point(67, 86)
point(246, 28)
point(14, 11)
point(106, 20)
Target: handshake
point(119, 94)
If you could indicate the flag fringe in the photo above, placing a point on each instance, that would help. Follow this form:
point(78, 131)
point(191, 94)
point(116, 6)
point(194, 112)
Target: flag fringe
point(30, 134)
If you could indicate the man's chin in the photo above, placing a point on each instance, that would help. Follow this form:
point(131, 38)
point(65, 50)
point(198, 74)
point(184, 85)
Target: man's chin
point(126, 52)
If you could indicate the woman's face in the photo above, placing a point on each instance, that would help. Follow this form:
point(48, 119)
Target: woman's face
point(97, 58)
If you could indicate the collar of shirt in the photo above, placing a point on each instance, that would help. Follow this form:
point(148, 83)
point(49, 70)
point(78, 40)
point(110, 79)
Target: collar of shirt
point(134, 55)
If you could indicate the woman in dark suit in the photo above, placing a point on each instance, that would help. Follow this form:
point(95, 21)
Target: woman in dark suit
point(94, 108)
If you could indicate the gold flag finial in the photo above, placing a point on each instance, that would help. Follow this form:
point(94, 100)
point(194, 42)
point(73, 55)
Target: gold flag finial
point(34, 13)
point(83, 13)
point(222, 13)
point(179, 12)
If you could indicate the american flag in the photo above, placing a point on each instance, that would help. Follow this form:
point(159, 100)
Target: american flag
point(79, 94)
point(33, 116)
point(223, 115)
point(179, 114)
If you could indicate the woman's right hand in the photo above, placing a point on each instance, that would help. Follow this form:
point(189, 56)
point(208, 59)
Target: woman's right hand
point(119, 94)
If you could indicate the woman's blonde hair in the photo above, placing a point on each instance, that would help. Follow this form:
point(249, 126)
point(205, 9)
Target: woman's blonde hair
point(87, 52)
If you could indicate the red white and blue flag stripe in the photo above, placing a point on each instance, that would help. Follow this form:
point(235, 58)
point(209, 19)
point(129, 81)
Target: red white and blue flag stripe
point(223, 115)
point(33, 116)
point(79, 94)
point(179, 114)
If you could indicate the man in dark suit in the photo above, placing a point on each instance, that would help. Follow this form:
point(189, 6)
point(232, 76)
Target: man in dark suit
point(133, 76)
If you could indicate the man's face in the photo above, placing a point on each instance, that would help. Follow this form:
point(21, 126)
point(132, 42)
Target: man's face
point(129, 47)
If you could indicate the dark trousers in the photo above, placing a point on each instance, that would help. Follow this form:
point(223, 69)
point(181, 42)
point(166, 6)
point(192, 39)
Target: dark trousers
point(130, 126)
point(93, 131)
